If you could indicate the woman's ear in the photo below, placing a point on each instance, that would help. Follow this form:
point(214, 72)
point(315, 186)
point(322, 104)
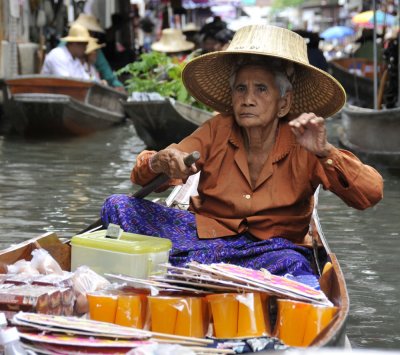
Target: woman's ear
point(285, 103)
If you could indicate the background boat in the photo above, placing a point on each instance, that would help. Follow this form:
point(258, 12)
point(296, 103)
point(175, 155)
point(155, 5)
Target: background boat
point(356, 76)
point(372, 134)
point(52, 106)
point(162, 122)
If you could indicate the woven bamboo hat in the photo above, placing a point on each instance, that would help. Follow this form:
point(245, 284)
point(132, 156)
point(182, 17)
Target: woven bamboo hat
point(172, 40)
point(77, 33)
point(207, 77)
point(89, 22)
point(93, 45)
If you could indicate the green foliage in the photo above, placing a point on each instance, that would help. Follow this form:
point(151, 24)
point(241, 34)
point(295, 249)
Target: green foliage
point(157, 72)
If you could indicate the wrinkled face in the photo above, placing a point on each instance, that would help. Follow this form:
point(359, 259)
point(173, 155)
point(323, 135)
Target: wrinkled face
point(255, 97)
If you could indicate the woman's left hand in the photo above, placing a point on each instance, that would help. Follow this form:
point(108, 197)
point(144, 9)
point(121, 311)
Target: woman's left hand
point(310, 132)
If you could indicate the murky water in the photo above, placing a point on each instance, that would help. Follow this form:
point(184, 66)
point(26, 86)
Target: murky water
point(60, 185)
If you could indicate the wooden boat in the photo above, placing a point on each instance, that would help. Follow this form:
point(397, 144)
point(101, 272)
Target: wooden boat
point(160, 122)
point(372, 134)
point(332, 280)
point(52, 106)
point(356, 76)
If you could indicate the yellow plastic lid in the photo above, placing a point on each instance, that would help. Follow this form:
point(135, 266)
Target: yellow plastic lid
point(129, 243)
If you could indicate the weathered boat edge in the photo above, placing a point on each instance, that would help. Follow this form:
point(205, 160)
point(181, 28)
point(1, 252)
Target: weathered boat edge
point(371, 134)
point(160, 123)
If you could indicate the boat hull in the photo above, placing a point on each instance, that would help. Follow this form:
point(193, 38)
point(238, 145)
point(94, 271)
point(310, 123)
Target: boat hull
point(38, 115)
point(45, 106)
point(372, 134)
point(161, 123)
point(355, 75)
point(334, 284)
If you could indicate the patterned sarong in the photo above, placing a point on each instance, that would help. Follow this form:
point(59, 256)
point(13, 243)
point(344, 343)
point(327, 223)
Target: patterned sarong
point(277, 255)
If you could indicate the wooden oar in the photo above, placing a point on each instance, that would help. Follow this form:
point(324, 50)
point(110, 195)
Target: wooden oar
point(149, 188)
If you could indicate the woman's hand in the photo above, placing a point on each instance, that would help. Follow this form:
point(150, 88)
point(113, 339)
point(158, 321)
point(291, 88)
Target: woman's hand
point(310, 132)
point(170, 162)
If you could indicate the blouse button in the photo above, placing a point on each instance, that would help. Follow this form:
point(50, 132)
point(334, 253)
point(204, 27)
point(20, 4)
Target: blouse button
point(329, 161)
point(247, 197)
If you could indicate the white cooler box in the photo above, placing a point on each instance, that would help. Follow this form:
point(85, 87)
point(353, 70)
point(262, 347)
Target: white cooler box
point(131, 254)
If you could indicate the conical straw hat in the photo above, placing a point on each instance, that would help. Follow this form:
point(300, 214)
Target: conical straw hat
point(77, 33)
point(93, 45)
point(207, 77)
point(89, 22)
point(172, 40)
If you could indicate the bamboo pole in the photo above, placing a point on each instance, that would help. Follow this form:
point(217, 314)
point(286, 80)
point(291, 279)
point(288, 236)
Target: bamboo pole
point(1, 32)
point(375, 59)
point(398, 57)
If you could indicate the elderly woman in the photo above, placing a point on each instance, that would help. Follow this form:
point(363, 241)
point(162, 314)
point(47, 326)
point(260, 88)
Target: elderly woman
point(261, 159)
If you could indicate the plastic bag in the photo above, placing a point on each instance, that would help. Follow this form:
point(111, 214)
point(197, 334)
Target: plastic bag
point(22, 267)
point(45, 263)
point(86, 280)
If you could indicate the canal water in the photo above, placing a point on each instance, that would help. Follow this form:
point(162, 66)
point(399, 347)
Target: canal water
point(60, 185)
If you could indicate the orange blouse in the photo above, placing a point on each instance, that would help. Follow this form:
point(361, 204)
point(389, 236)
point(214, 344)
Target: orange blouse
point(281, 202)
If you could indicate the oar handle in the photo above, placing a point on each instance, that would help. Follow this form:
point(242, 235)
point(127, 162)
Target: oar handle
point(163, 178)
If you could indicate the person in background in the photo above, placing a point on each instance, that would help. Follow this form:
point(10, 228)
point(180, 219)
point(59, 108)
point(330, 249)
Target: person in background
point(67, 60)
point(173, 43)
point(102, 66)
point(214, 26)
point(209, 42)
point(261, 160)
point(366, 48)
point(90, 59)
point(315, 54)
point(223, 38)
point(117, 53)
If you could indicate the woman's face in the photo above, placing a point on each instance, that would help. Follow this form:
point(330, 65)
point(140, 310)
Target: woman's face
point(256, 97)
point(91, 57)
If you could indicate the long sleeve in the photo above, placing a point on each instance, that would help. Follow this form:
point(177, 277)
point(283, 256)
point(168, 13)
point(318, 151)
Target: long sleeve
point(105, 70)
point(358, 185)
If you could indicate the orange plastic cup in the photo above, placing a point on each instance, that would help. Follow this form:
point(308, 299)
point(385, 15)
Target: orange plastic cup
point(131, 310)
point(102, 307)
point(291, 321)
point(251, 318)
point(192, 319)
point(224, 309)
point(164, 311)
point(298, 323)
point(318, 318)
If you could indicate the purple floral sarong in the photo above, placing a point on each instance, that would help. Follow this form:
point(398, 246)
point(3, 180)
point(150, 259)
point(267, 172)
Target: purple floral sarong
point(278, 255)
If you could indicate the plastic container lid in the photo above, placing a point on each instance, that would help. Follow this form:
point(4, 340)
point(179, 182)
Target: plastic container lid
point(8, 335)
point(129, 243)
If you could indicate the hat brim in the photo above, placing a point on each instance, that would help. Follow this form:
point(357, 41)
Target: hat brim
point(94, 48)
point(160, 47)
point(75, 39)
point(207, 79)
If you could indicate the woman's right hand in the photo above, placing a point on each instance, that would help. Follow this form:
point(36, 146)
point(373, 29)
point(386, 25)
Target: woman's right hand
point(170, 162)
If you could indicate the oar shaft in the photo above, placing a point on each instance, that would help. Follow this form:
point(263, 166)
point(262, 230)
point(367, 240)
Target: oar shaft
point(162, 178)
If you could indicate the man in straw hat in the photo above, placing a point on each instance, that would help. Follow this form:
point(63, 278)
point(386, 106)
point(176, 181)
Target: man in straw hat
point(261, 159)
point(67, 60)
